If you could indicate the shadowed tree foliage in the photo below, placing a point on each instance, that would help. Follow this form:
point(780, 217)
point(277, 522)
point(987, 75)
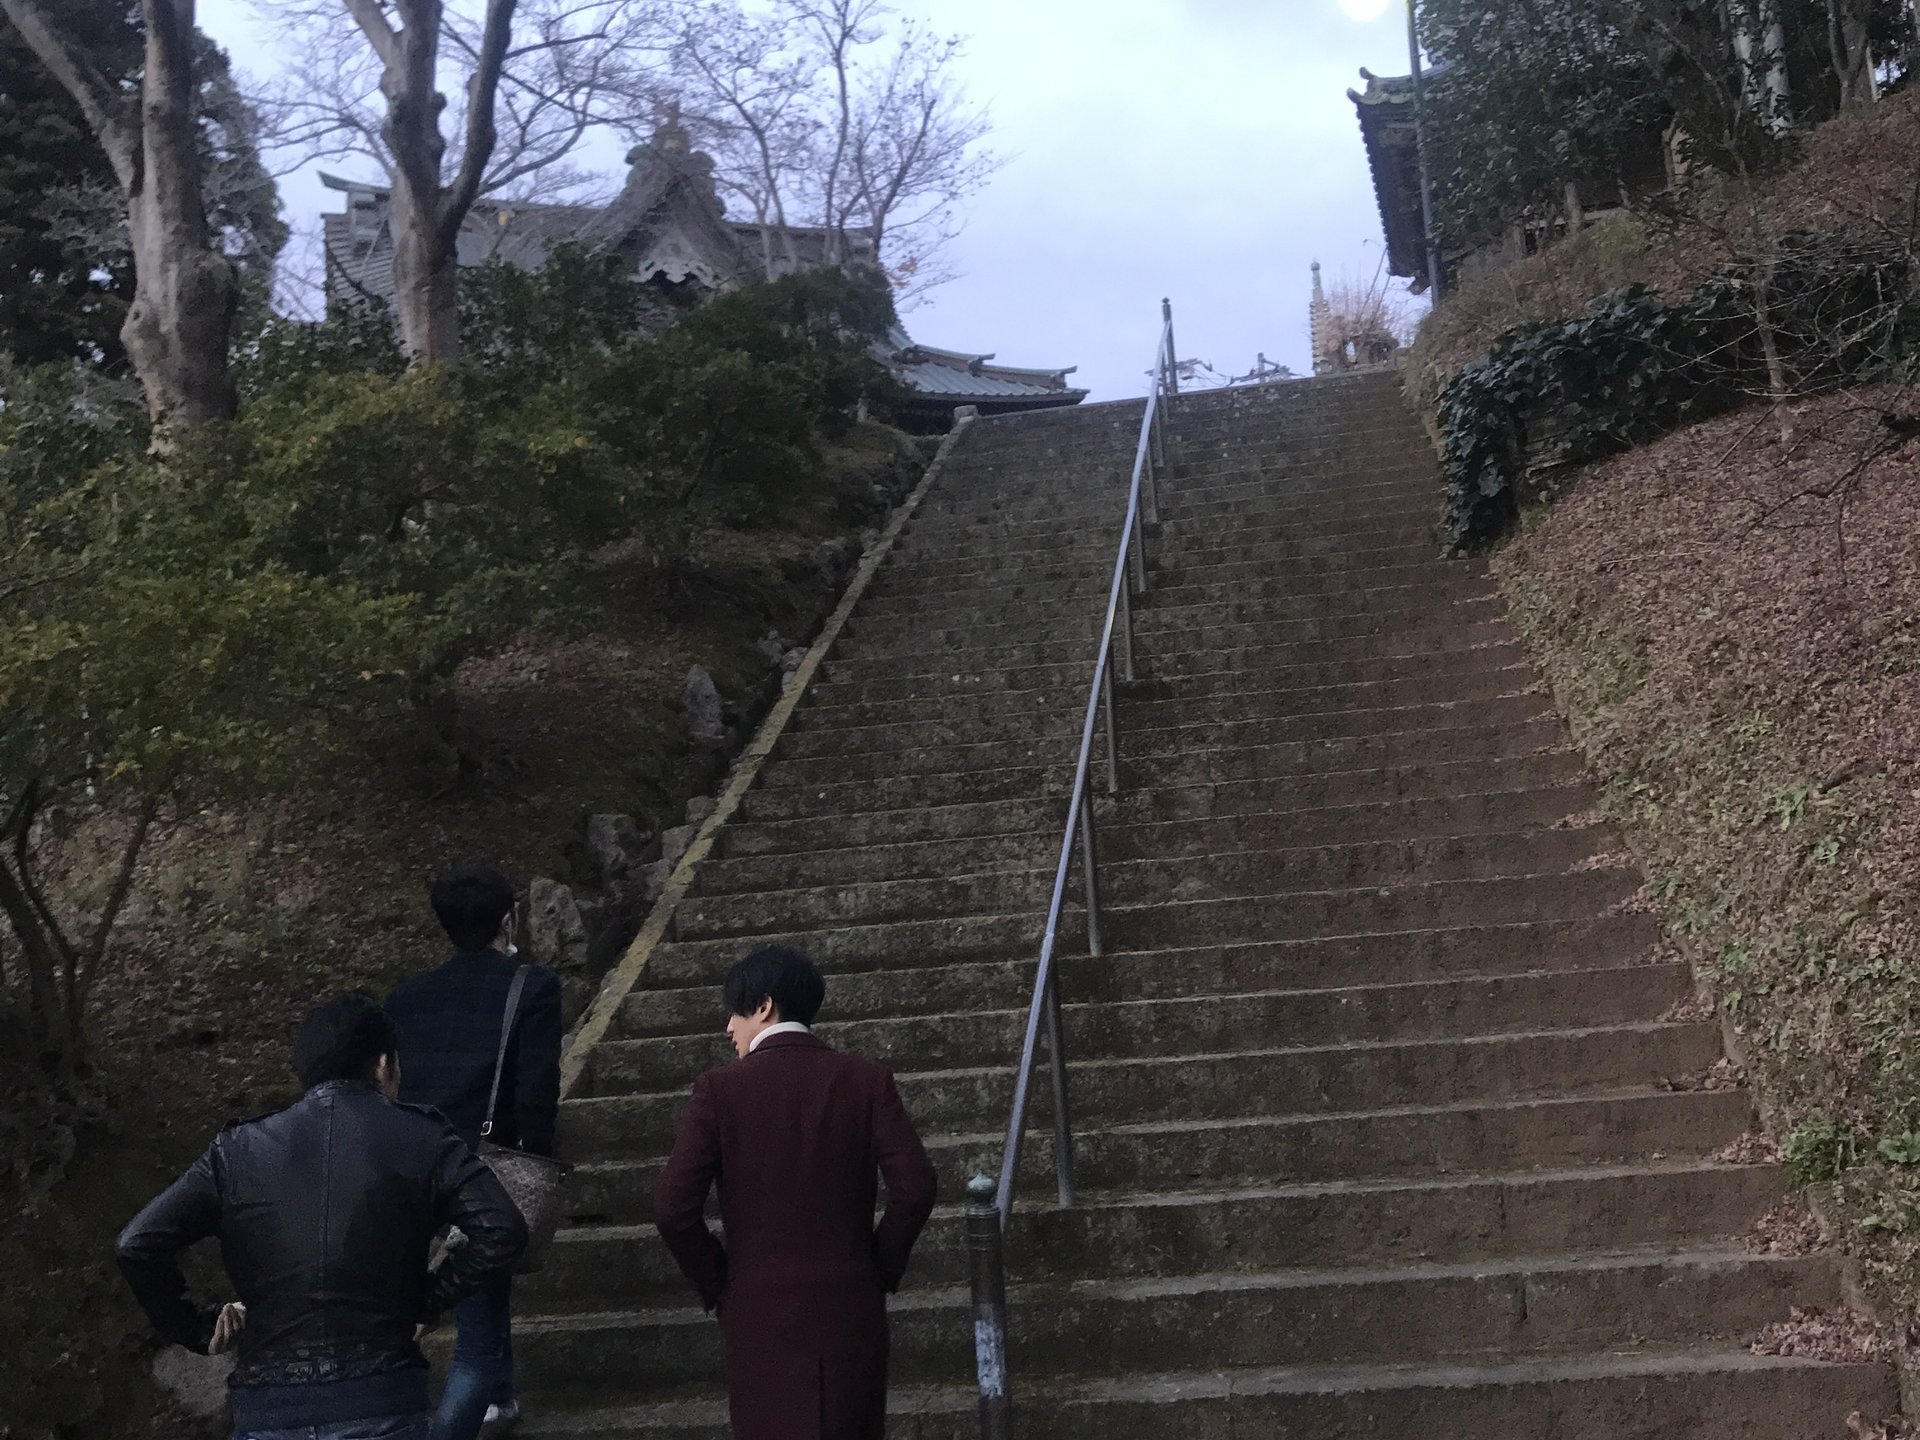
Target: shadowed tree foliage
point(66, 260)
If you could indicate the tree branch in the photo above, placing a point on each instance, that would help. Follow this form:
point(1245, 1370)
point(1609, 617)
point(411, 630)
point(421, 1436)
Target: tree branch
point(379, 30)
point(117, 895)
point(482, 133)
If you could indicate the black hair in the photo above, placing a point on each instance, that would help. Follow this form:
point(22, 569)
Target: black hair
point(343, 1039)
point(781, 974)
point(472, 900)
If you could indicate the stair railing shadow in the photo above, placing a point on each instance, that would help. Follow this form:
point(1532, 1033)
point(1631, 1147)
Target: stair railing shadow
point(990, 1204)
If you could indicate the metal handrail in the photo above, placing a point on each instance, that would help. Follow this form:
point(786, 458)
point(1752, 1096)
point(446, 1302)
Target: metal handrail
point(1044, 1011)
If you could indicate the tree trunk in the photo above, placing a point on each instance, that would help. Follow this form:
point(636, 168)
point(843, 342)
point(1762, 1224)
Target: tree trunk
point(1773, 49)
point(426, 282)
point(427, 214)
point(1848, 40)
point(186, 292)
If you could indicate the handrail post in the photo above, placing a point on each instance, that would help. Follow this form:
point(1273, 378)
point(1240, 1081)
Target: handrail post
point(1113, 737)
point(1138, 546)
point(1173, 351)
point(1160, 438)
point(1150, 496)
point(1091, 874)
point(1062, 1116)
point(987, 1266)
point(1125, 628)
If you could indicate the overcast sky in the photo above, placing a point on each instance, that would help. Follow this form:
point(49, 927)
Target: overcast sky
point(1200, 149)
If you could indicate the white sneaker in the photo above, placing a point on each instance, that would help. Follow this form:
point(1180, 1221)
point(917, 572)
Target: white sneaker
point(502, 1417)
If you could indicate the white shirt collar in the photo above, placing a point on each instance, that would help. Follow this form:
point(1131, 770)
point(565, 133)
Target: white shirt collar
point(785, 1027)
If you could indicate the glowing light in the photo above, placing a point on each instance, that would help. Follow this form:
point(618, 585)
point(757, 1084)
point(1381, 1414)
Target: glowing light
point(1365, 9)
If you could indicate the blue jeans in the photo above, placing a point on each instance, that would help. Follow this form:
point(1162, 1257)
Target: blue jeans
point(395, 1427)
point(482, 1371)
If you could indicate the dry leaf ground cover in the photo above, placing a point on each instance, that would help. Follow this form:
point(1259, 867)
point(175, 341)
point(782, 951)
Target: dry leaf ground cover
point(1733, 627)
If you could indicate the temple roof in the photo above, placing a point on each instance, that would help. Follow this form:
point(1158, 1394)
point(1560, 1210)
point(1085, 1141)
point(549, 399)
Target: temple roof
point(359, 240)
point(962, 379)
point(1385, 109)
point(669, 221)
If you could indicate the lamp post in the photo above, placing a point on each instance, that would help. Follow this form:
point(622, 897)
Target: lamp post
point(1436, 272)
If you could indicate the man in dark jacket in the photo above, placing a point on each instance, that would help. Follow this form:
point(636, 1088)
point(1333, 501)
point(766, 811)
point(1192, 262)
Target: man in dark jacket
point(797, 1136)
point(450, 1024)
point(326, 1212)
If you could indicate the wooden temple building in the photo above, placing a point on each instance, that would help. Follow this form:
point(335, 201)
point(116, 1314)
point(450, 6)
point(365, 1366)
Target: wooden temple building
point(669, 220)
point(1386, 112)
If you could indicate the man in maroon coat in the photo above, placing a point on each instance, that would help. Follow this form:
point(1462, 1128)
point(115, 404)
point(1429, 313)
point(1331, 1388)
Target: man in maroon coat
point(797, 1136)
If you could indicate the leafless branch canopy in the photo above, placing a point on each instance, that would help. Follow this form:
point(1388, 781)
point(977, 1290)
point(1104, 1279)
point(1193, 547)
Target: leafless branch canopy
point(829, 113)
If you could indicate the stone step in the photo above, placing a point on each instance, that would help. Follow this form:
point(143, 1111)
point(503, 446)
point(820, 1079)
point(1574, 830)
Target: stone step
point(1152, 705)
point(933, 940)
point(1225, 695)
point(1493, 811)
point(1170, 652)
point(1157, 757)
point(1350, 800)
point(1478, 1310)
point(907, 633)
point(1361, 549)
point(1269, 599)
point(1177, 575)
point(1288, 503)
point(1381, 525)
point(1696, 1394)
point(1382, 459)
point(1234, 871)
point(1499, 812)
point(1140, 742)
point(1416, 905)
point(1220, 494)
point(1337, 728)
point(1406, 531)
point(987, 820)
point(909, 985)
point(936, 536)
point(1205, 671)
point(980, 1037)
point(1302, 1079)
point(1407, 1144)
point(928, 807)
point(1489, 1216)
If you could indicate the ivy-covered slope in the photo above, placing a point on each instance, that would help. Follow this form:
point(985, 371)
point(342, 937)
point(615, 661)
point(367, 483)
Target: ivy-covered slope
point(1784, 285)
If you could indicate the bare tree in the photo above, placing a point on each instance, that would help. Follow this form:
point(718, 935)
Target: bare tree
point(746, 84)
point(817, 113)
point(841, 29)
point(186, 290)
point(916, 153)
point(530, 79)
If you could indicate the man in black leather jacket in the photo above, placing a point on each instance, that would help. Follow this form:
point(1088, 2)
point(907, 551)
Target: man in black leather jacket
point(325, 1213)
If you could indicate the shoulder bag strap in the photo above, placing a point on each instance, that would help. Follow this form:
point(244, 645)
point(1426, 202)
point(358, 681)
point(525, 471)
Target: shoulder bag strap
point(506, 1031)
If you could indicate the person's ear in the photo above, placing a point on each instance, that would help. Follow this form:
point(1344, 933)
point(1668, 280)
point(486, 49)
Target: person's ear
point(386, 1075)
point(766, 1014)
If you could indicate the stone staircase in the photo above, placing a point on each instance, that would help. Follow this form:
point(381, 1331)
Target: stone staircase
point(1382, 1128)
